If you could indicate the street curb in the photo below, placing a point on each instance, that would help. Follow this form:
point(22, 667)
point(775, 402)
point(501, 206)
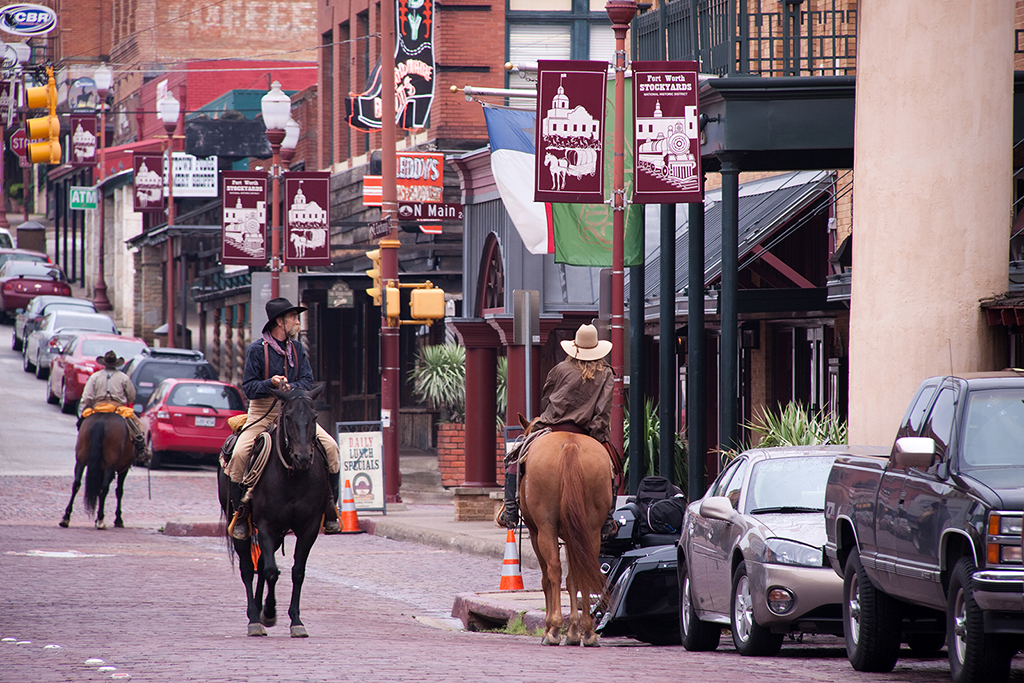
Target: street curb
point(463, 543)
point(478, 613)
point(194, 529)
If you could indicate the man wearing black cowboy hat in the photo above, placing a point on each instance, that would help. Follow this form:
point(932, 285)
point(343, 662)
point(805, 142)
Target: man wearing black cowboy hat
point(111, 386)
point(274, 360)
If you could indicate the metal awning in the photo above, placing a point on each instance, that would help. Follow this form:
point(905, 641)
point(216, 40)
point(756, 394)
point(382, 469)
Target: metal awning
point(765, 206)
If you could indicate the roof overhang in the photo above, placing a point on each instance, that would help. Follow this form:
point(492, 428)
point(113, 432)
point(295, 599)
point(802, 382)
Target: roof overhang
point(778, 124)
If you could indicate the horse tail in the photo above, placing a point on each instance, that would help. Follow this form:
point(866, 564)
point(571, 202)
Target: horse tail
point(581, 544)
point(94, 463)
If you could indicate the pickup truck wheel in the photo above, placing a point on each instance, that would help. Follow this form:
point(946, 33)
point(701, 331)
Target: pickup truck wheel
point(871, 621)
point(751, 639)
point(974, 656)
point(696, 635)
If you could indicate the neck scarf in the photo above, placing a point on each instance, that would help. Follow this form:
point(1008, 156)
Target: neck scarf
point(289, 354)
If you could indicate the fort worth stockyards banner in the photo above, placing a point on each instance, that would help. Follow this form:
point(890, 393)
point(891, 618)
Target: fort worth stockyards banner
point(415, 22)
point(244, 226)
point(149, 181)
point(307, 233)
point(570, 132)
point(83, 140)
point(667, 133)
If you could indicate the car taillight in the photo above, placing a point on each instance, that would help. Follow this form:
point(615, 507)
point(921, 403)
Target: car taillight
point(65, 290)
point(8, 286)
point(82, 367)
point(53, 343)
point(163, 415)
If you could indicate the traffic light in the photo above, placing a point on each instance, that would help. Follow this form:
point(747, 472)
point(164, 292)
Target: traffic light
point(47, 127)
point(392, 294)
point(427, 304)
point(374, 274)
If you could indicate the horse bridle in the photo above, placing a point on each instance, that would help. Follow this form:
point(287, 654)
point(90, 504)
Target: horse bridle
point(284, 435)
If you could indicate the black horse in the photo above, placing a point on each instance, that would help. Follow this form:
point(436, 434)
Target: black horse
point(292, 495)
point(104, 448)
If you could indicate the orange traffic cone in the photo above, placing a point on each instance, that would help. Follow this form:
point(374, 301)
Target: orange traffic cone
point(349, 518)
point(511, 577)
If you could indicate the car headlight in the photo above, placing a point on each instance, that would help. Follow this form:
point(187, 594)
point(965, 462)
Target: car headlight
point(781, 551)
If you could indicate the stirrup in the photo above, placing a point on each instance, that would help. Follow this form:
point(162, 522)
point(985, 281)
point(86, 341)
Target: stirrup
point(507, 517)
point(238, 529)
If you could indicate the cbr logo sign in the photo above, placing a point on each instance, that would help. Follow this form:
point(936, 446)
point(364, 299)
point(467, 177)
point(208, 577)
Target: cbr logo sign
point(27, 20)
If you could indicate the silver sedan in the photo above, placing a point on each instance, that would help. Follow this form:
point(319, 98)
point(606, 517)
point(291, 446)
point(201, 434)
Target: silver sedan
point(751, 557)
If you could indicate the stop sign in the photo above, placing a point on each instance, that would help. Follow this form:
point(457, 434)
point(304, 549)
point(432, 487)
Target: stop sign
point(19, 145)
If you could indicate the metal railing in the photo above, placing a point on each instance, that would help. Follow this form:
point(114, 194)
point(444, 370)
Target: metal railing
point(753, 37)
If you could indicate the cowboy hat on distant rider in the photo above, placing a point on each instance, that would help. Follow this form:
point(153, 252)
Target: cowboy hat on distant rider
point(577, 397)
point(109, 390)
point(275, 360)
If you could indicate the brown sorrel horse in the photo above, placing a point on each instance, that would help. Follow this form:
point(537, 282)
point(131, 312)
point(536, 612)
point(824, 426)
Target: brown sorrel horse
point(104, 448)
point(566, 492)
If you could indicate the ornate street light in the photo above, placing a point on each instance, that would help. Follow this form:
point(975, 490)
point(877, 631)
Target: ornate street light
point(103, 77)
point(291, 139)
point(277, 109)
point(169, 109)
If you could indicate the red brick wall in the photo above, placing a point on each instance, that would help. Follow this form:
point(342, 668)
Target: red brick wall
point(451, 455)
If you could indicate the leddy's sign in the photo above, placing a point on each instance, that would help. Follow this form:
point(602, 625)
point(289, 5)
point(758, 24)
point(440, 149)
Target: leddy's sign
point(362, 463)
point(665, 121)
point(415, 23)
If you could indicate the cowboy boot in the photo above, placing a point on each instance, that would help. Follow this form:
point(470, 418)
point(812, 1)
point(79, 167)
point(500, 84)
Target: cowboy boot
point(610, 528)
point(508, 516)
point(331, 525)
point(142, 454)
point(238, 528)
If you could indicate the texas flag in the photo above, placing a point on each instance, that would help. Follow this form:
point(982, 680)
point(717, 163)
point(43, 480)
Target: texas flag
point(511, 132)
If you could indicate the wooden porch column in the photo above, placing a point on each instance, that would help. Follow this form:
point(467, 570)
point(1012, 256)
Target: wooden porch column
point(481, 342)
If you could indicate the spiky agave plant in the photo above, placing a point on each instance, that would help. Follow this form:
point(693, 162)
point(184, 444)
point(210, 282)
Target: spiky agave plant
point(439, 378)
point(794, 425)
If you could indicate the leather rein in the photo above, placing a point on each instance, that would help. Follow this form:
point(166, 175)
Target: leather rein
point(279, 426)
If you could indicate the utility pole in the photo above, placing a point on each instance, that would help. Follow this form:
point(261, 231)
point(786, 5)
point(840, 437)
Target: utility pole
point(389, 390)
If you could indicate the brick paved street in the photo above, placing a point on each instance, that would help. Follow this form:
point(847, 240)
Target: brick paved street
point(172, 609)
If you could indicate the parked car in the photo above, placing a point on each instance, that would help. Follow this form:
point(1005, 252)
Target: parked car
point(751, 555)
point(12, 254)
point(188, 419)
point(22, 281)
point(54, 331)
point(28, 319)
point(152, 366)
point(6, 239)
point(71, 368)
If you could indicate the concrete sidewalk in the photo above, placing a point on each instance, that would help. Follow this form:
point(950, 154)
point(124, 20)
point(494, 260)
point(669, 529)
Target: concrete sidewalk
point(435, 526)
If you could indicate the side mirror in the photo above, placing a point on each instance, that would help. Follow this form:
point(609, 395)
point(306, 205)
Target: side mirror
point(717, 507)
point(915, 451)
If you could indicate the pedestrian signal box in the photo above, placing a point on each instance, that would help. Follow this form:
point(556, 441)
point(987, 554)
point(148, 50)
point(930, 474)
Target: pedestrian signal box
point(427, 304)
point(43, 127)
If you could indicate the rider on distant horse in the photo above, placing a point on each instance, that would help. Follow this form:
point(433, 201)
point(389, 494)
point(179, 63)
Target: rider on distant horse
point(577, 397)
point(108, 390)
point(275, 360)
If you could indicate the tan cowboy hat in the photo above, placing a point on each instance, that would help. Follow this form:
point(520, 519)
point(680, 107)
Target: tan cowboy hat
point(110, 360)
point(587, 346)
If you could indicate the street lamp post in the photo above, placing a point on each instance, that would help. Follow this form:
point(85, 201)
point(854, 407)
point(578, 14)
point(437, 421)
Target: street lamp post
point(169, 108)
point(103, 77)
point(276, 108)
point(621, 12)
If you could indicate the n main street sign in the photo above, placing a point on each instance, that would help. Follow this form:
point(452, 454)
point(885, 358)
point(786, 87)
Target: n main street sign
point(429, 211)
point(81, 198)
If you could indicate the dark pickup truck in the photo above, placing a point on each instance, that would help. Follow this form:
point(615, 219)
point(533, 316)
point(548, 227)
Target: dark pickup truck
point(928, 539)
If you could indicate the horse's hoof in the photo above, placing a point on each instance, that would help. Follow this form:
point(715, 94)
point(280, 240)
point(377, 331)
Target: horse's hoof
point(269, 622)
point(572, 641)
point(548, 641)
point(257, 630)
point(119, 524)
point(65, 523)
point(299, 631)
point(593, 641)
point(101, 525)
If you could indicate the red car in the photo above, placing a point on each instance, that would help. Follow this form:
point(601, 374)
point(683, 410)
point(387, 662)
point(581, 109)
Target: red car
point(22, 281)
point(71, 368)
point(188, 419)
